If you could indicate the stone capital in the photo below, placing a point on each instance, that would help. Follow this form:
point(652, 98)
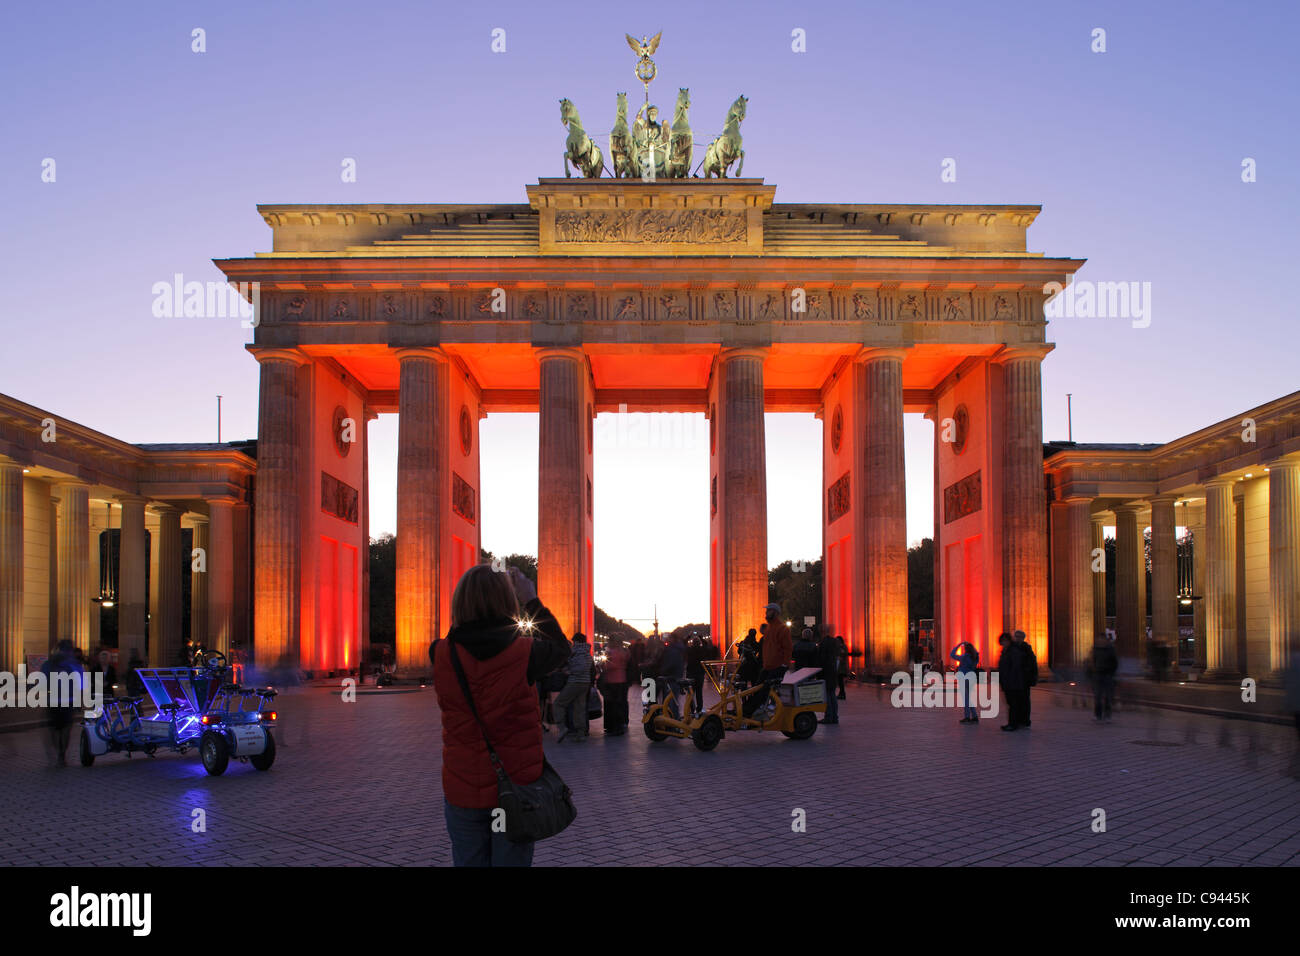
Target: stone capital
point(1023, 353)
point(1281, 464)
point(131, 499)
point(1219, 481)
point(162, 508)
point(869, 354)
point(559, 352)
point(263, 354)
point(1130, 508)
point(1100, 517)
point(428, 353)
point(757, 352)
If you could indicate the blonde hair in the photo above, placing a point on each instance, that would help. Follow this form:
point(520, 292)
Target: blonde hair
point(483, 595)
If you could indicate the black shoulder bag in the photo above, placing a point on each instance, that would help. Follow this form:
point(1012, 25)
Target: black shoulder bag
point(534, 811)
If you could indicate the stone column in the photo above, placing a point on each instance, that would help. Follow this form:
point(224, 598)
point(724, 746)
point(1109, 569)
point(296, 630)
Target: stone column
point(167, 629)
point(276, 538)
point(1097, 558)
point(1164, 575)
point(199, 581)
point(132, 606)
point(1220, 578)
point(884, 511)
point(1129, 575)
point(1196, 521)
point(221, 574)
point(1024, 500)
point(421, 484)
point(1284, 563)
point(1078, 581)
point(561, 481)
point(11, 566)
point(74, 563)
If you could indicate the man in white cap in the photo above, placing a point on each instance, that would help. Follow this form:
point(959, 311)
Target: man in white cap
point(777, 645)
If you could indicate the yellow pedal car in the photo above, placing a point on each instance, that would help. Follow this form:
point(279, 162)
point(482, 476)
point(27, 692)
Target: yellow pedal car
point(790, 707)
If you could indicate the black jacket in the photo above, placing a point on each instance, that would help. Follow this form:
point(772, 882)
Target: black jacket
point(1104, 660)
point(484, 639)
point(1011, 668)
point(805, 654)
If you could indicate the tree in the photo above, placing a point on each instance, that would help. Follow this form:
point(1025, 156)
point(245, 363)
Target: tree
point(797, 587)
point(383, 590)
point(920, 580)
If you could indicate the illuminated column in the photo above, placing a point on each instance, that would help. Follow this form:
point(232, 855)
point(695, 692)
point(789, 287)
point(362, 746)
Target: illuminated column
point(1024, 500)
point(1220, 578)
point(221, 573)
point(367, 416)
point(1196, 522)
point(421, 480)
point(167, 630)
point(884, 512)
point(74, 563)
point(742, 497)
point(1164, 575)
point(1128, 561)
point(564, 432)
point(132, 606)
point(1098, 550)
point(200, 569)
point(1076, 566)
point(280, 468)
point(11, 566)
point(1284, 563)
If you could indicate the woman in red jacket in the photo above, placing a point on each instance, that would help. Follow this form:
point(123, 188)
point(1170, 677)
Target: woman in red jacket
point(505, 641)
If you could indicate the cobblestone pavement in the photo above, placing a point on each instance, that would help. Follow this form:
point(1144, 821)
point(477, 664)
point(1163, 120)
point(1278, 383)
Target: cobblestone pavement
point(356, 784)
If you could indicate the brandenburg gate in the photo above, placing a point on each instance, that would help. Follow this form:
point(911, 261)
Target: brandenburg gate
point(694, 295)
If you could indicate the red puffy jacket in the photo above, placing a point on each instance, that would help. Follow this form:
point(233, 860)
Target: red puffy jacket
point(500, 665)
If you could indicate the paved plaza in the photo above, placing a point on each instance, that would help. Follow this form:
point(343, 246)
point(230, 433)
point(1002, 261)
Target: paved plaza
point(357, 784)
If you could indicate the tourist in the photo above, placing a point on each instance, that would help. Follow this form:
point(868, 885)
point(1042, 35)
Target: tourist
point(968, 662)
point(1029, 667)
point(1101, 668)
point(750, 670)
point(615, 677)
point(499, 665)
point(805, 650)
point(60, 698)
point(777, 646)
point(672, 671)
point(695, 657)
point(842, 674)
point(1011, 677)
point(828, 659)
point(577, 688)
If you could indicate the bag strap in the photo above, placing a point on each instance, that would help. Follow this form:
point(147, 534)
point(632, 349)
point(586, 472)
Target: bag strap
point(469, 699)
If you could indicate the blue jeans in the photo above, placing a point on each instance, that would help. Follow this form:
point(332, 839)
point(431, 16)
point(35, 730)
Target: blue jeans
point(968, 712)
point(474, 844)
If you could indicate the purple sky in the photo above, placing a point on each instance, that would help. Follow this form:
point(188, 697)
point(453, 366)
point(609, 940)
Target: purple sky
point(1135, 155)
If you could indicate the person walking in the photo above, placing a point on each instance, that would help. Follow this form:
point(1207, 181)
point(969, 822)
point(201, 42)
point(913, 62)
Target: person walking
point(500, 666)
point(842, 672)
point(1029, 668)
point(828, 659)
point(968, 662)
point(576, 690)
point(777, 646)
point(1102, 668)
point(617, 661)
point(62, 694)
point(1011, 677)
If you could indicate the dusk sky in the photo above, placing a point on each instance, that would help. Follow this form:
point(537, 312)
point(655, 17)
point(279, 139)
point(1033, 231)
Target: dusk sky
point(1135, 154)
